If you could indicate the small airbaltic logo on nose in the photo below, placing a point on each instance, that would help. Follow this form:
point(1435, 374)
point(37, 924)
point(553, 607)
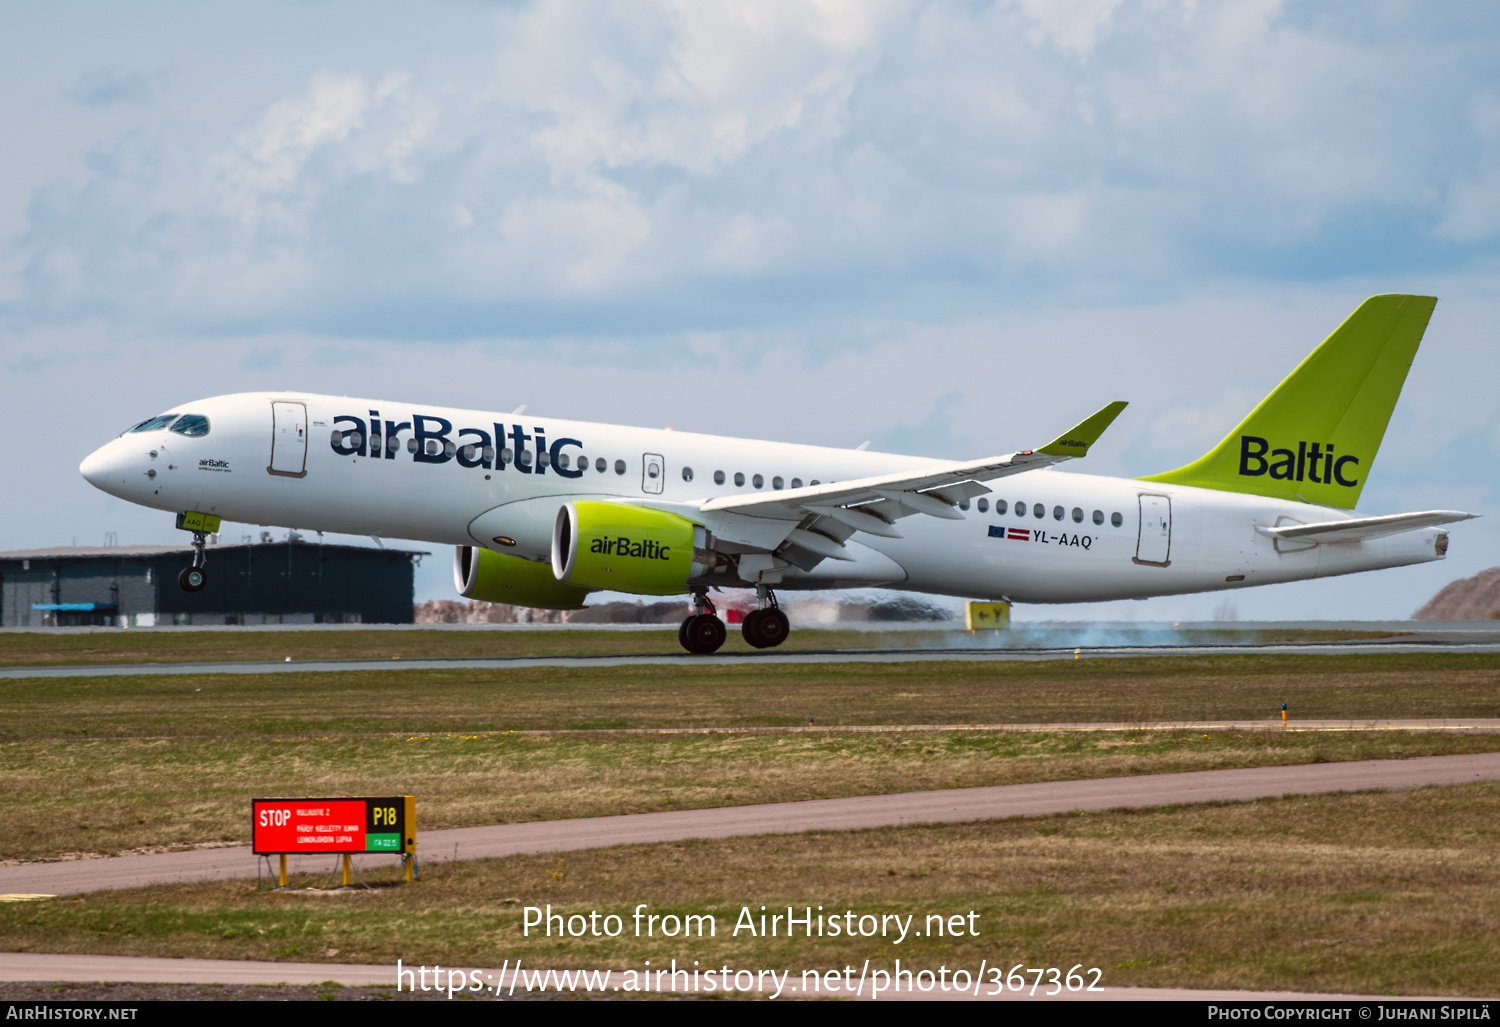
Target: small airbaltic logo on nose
point(1313, 462)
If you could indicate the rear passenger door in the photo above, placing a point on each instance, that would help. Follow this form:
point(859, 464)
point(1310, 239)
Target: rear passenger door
point(1154, 543)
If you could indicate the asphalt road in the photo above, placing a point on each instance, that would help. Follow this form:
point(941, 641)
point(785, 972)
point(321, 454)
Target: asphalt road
point(683, 659)
point(945, 806)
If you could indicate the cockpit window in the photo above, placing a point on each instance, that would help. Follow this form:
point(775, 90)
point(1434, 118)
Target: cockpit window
point(155, 424)
point(192, 425)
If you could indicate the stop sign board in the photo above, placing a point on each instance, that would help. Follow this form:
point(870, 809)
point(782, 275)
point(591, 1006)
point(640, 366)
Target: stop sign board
point(386, 824)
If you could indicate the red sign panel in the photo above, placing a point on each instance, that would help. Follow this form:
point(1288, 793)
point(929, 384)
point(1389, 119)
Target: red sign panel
point(331, 825)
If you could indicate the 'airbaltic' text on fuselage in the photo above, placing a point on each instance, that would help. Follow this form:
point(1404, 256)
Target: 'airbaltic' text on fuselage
point(433, 440)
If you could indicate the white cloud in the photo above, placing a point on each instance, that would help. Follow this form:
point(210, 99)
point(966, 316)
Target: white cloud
point(724, 164)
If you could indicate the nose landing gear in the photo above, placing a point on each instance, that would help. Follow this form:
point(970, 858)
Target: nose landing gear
point(192, 579)
point(766, 627)
point(703, 632)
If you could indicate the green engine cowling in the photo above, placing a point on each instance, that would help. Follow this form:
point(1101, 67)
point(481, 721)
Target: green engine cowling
point(497, 578)
point(602, 545)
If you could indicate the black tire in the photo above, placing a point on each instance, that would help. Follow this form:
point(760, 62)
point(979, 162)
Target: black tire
point(703, 634)
point(192, 579)
point(750, 629)
point(773, 628)
point(682, 632)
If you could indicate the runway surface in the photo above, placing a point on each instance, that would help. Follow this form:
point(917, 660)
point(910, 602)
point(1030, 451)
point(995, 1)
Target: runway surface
point(945, 806)
point(27, 966)
point(682, 659)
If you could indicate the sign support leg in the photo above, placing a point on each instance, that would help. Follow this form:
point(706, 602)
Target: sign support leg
point(281, 878)
point(346, 870)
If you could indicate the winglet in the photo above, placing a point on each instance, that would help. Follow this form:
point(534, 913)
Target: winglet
point(1077, 440)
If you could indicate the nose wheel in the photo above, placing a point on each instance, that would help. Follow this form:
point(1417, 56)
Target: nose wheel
point(703, 632)
point(767, 627)
point(192, 579)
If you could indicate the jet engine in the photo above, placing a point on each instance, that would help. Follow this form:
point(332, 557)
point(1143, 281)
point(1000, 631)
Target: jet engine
point(497, 578)
point(635, 549)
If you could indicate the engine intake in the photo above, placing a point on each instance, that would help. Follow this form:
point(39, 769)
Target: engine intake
point(497, 578)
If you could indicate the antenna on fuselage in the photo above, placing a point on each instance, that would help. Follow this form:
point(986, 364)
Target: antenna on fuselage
point(518, 411)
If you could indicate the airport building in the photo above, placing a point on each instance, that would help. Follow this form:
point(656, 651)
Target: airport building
point(290, 581)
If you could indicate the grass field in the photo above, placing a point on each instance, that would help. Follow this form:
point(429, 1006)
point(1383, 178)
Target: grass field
point(123, 795)
point(1134, 690)
point(114, 647)
point(114, 764)
point(1395, 893)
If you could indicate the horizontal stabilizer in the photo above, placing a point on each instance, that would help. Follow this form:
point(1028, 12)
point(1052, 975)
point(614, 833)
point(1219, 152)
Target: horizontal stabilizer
point(1361, 528)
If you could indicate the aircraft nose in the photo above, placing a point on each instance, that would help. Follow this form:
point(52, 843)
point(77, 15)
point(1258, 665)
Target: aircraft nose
point(95, 467)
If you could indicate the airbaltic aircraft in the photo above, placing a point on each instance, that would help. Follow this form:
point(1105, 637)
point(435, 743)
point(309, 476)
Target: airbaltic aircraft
point(544, 511)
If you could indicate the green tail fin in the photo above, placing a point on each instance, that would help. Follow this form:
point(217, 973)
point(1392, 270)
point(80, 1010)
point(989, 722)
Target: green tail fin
point(1314, 438)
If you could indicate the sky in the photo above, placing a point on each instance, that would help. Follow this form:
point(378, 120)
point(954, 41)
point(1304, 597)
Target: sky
point(952, 229)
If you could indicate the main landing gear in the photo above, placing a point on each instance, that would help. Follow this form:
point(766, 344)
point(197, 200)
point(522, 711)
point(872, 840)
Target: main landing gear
point(703, 632)
point(766, 627)
point(192, 579)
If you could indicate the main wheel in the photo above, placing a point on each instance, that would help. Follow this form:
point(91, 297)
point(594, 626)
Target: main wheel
point(750, 628)
point(703, 634)
point(192, 579)
point(682, 632)
point(766, 629)
point(774, 628)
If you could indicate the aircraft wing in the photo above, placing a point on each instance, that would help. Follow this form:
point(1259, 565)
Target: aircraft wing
point(1361, 528)
point(874, 504)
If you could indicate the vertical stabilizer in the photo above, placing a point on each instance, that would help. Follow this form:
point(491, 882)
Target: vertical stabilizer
point(1315, 436)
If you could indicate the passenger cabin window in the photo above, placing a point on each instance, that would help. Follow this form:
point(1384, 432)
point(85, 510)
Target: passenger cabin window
point(563, 461)
point(1000, 507)
point(1038, 510)
point(1057, 513)
point(599, 465)
point(687, 474)
point(156, 423)
point(1116, 519)
point(963, 504)
point(739, 479)
point(1077, 515)
point(984, 505)
point(796, 483)
point(619, 466)
point(758, 481)
point(777, 483)
point(718, 477)
point(523, 457)
point(194, 426)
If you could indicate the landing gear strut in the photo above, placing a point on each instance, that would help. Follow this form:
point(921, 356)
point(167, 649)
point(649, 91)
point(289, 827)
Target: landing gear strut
point(766, 627)
point(192, 579)
point(703, 632)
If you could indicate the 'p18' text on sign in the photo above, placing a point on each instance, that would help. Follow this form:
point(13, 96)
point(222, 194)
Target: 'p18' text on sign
point(334, 825)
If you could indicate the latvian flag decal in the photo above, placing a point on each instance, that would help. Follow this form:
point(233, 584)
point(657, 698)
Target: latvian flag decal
point(1019, 534)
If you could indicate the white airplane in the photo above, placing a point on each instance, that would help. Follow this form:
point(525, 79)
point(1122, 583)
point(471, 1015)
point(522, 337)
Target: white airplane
point(544, 511)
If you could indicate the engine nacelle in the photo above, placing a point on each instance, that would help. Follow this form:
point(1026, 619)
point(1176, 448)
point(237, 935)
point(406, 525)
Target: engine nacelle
point(635, 549)
point(497, 578)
